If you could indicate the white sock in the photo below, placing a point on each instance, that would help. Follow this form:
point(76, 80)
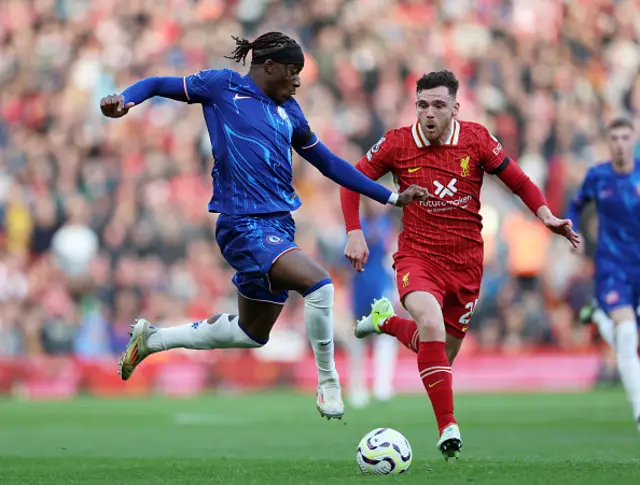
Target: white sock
point(357, 372)
point(629, 362)
point(318, 318)
point(606, 327)
point(223, 333)
point(385, 351)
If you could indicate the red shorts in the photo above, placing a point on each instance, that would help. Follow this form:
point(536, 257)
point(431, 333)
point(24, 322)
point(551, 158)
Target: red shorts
point(456, 290)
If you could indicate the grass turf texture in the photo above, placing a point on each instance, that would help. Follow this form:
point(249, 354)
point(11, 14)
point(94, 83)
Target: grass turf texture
point(279, 438)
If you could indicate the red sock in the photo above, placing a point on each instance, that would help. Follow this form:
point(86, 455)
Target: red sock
point(437, 379)
point(405, 330)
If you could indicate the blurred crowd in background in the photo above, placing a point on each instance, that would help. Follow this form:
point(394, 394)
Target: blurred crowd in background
point(102, 221)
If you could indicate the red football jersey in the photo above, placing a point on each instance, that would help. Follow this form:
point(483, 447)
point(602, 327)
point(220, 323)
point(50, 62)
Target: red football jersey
point(447, 226)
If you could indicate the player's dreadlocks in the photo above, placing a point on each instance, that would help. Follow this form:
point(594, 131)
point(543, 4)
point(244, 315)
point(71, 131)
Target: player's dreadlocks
point(269, 42)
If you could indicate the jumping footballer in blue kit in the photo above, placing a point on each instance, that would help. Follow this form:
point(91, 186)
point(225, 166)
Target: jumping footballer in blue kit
point(254, 123)
point(614, 186)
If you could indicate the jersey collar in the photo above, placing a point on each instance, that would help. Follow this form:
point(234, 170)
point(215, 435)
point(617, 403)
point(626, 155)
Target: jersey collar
point(421, 140)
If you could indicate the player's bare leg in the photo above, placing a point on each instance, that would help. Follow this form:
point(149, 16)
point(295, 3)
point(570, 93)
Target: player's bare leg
point(626, 347)
point(592, 313)
point(297, 271)
point(249, 329)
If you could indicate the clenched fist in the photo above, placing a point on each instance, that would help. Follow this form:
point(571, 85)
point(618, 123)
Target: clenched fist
point(113, 106)
point(413, 192)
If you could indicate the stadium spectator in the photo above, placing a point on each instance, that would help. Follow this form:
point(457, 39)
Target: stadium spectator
point(138, 208)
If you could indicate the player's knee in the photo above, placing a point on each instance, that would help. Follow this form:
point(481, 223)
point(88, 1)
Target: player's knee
point(622, 314)
point(429, 323)
point(314, 278)
point(317, 278)
point(320, 294)
point(259, 334)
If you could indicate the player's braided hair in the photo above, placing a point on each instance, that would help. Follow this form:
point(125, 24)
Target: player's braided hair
point(268, 41)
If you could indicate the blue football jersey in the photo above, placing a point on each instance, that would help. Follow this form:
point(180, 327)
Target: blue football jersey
point(376, 281)
point(617, 199)
point(252, 139)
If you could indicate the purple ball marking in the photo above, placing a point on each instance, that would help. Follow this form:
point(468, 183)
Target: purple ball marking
point(404, 458)
point(371, 446)
point(368, 461)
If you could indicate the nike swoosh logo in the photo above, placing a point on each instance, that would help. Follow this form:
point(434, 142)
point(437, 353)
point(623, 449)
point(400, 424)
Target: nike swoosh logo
point(411, 170)
point(324, 344)
point(437, 382)
point(237, 96)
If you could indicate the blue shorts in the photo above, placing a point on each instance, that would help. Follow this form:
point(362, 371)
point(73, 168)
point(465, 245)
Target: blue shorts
point(615, 290)
point(251, 245)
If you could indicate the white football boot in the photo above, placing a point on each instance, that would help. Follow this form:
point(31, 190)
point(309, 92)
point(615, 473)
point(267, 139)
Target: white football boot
point(329, 401)
point(381, 309)
point(450, 442)
point(136, 350)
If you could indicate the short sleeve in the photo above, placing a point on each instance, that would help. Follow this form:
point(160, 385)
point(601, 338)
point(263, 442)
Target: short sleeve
point(204, 86)
point(492, 156)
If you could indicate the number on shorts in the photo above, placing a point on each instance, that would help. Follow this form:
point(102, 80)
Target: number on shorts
point(466, 318)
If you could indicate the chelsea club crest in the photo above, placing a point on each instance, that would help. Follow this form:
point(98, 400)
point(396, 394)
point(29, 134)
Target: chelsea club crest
point(273, 239)
point(282, 113)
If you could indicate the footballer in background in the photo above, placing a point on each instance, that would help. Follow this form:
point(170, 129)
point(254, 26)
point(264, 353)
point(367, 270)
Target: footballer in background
point(380, 231)
point(439, 262)
point(614, 187)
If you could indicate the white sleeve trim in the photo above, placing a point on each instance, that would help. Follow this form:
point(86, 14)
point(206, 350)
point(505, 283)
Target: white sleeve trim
point(184, 85)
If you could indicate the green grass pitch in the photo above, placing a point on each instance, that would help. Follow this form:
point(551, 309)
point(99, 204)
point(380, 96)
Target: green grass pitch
point(279, 438)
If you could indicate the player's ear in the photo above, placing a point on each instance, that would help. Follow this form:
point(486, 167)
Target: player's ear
point(456, 108)
point(269, 66)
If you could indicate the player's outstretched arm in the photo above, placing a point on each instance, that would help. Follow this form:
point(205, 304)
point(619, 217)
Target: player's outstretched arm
point(118, 105)
point(346, 175)
point(521, 185)
point(495, 162)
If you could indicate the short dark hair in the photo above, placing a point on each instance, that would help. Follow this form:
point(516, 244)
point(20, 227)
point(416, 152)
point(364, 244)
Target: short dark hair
point(620, 122)
point(437, 79)
point(268, 41)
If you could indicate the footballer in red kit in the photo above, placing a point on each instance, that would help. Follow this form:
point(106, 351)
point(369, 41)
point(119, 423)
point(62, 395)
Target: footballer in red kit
point(439, 261)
